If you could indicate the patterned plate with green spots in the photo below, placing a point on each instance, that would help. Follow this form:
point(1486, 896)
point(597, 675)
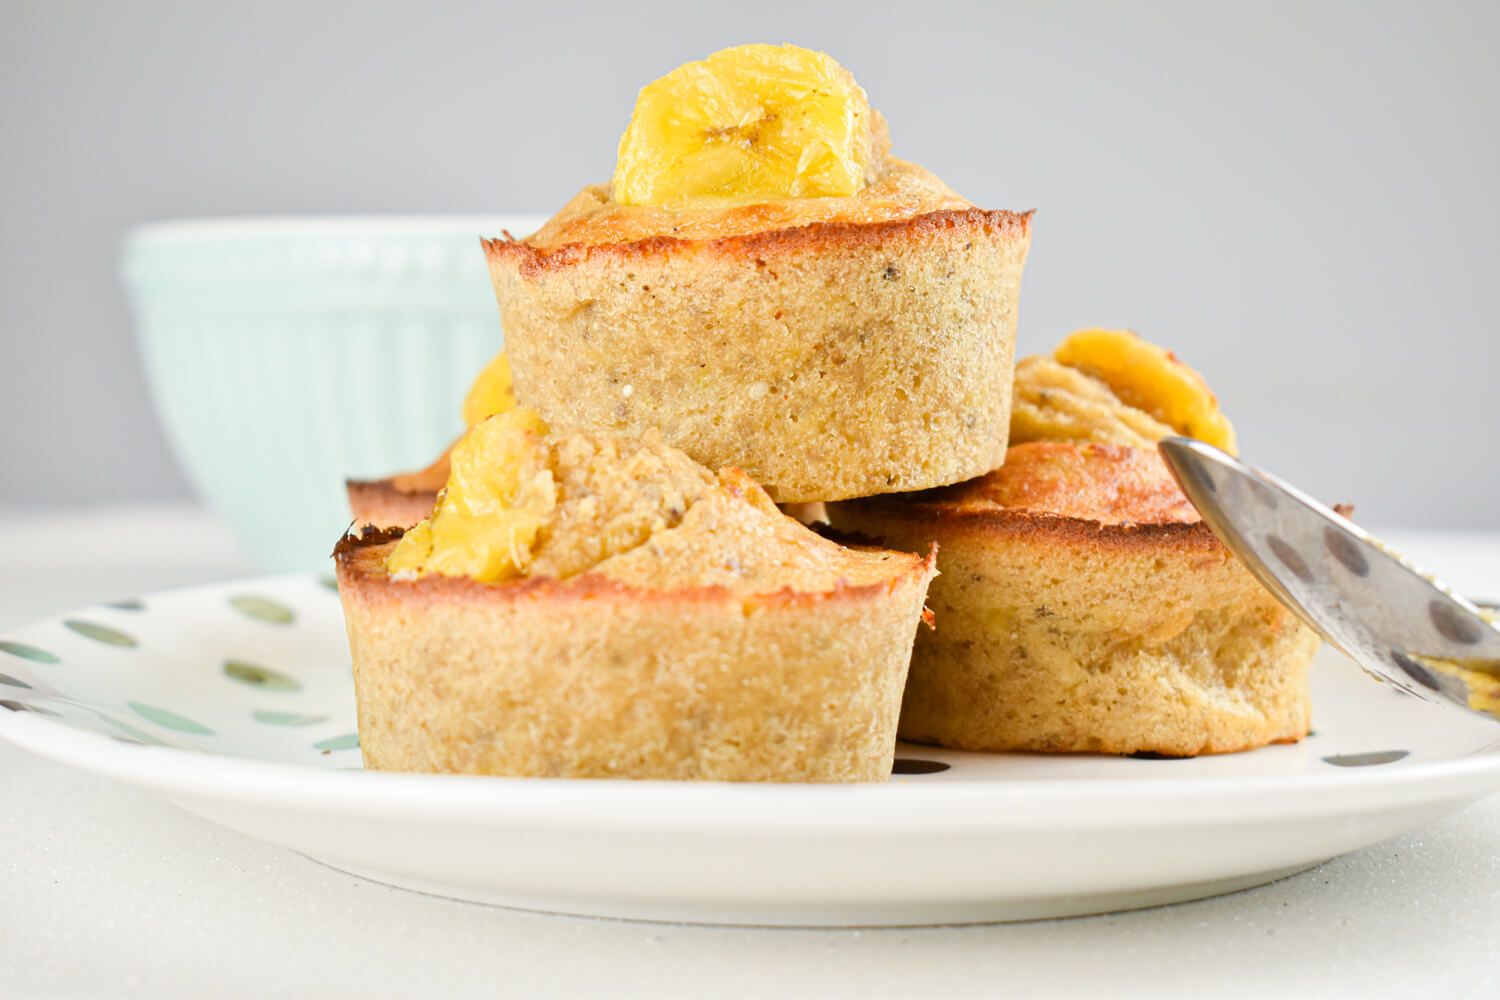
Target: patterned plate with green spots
point(236, 702)
point(248, 671)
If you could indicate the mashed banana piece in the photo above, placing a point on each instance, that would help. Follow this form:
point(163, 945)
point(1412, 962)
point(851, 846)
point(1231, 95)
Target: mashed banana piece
point(1053, 402)
point(493, 391)
point(500, 490)
point(1112, 386)
point(521, 502)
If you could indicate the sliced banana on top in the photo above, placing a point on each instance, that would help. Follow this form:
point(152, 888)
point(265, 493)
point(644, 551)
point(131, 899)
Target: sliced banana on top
point(1150, 378)
point(748, 124)
point(1113, 386)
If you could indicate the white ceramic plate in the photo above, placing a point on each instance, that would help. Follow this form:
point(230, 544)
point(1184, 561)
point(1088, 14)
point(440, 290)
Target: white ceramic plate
point(235, 702)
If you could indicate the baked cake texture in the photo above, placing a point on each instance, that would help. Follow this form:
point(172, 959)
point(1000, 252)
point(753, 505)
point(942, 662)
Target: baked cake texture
point(616, 610)
point(834, 346)
point(1084, 606)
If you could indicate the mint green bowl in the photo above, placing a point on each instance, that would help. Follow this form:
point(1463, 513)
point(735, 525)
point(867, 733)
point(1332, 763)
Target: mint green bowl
point(288, 354)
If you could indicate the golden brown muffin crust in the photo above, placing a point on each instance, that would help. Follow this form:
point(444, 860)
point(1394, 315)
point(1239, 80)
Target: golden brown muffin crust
point(361, 557)
point(750, 351)
point(398, 501)
point(1128, 628)
point(903, 191)
point(381, 503)
point(531, 260)
point(1099, 493)
point(429, 480)
point(596, 677)
point(1109, 484)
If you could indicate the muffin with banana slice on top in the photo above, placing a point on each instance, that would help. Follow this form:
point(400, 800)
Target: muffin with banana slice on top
point(590, 605)
point(1083, 605)
point(767, 287)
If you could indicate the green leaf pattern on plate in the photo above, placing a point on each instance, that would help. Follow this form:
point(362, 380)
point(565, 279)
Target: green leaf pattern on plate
point(170, 720)
point(262, 609)
point(126, 729)
point(272, 718)
point(255, 606)
point(261, 677)
point(27, 652)
point(100, 633)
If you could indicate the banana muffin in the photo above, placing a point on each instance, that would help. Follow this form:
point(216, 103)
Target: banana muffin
point(1083, 605)
point(588, 605)
point(766, 286)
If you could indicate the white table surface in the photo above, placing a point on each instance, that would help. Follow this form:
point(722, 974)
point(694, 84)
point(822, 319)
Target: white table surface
point(106, 891)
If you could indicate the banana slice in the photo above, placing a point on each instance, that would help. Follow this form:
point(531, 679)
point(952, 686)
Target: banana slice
point(748, 124)
point(1149, 378)
point(500, 491)
point(492, 392)
point(1052, 402)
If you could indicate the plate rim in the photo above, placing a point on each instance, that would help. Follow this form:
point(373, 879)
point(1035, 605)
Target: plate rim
point(997, 805)
point(900, 805)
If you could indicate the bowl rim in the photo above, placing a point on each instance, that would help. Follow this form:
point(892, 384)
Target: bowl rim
point(324, 226)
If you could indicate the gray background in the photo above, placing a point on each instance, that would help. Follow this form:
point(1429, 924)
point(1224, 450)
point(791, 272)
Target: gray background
point(1302, 201)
